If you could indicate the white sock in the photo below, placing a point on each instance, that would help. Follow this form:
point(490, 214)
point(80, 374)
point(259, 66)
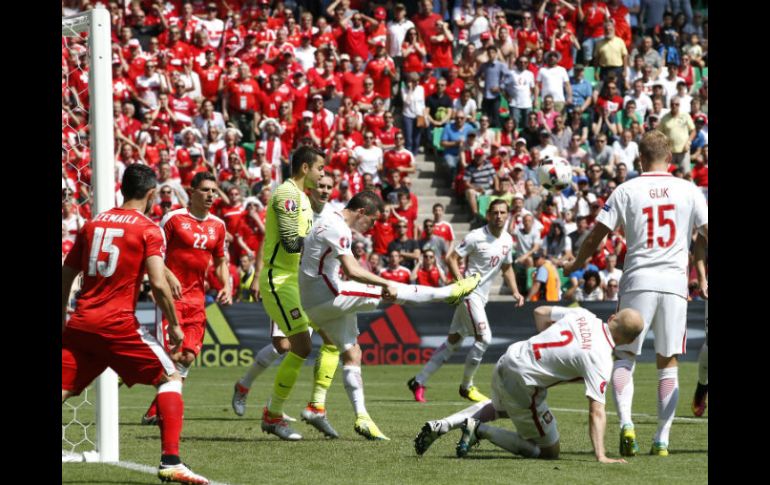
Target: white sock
point(472, 362)
point(265, 358)
point(668, 397)
point(703, 365)
point(623, 389)
point(440, 355)
point(171, 386)
point(354, 386)
point(183, 369)
point(483, 411)
point(421, 294)
point(508, 440)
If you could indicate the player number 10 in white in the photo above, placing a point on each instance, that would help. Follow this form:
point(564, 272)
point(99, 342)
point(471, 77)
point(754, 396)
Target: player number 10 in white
point(103, 242)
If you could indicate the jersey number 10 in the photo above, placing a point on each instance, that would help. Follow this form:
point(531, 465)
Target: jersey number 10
point(662, 221)
point(103, 243)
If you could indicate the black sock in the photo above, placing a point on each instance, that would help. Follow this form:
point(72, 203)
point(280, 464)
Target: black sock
point(170, 460)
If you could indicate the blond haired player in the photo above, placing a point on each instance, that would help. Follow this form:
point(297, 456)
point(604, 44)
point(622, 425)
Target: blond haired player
point(573, 344)
point(658, 213)
point(332, 304)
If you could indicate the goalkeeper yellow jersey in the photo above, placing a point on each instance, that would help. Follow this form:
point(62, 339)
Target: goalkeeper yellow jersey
point(289, 219)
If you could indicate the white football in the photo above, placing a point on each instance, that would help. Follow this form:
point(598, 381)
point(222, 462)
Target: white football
point(554, 173)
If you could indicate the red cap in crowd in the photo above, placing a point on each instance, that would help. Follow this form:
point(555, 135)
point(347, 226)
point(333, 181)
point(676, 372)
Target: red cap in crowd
point(379, 13)
point(478, 151)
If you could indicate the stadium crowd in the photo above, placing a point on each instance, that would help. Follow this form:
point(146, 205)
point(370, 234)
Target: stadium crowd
point(486, 89)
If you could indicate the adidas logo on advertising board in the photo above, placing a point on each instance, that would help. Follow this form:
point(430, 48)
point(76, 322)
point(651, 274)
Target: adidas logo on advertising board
point(392, 340)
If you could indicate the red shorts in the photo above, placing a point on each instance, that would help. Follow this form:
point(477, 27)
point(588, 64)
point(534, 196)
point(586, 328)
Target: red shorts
point(192, 319)
point(137, 358)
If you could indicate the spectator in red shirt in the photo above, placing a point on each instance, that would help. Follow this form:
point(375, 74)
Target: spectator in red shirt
point(354, 37)
point(394, 271)
point(425, 22)
point(382, 70)
point(428, 273)
point(383, 232)
point(242, 104)
point(592, 13)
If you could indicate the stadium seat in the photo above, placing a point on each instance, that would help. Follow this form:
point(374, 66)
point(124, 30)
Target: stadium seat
point(437, 139)
point(483, 201)
point(706, 71)
point(505, 111)
point(697, 77)
point(249, 148)
point(530, 277)
point(589, 74)
point(564, 280)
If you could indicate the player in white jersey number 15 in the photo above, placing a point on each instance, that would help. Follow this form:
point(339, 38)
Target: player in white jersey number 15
point(488, 250)
point(573, 344)
point(332, 304)
point(658, 213)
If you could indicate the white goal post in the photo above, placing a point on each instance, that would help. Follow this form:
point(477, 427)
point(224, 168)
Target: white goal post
point(96, 24)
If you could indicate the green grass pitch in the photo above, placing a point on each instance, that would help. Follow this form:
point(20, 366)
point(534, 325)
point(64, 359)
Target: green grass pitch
point(233, 450)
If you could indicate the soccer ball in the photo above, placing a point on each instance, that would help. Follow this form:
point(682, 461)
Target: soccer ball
point(554, 173)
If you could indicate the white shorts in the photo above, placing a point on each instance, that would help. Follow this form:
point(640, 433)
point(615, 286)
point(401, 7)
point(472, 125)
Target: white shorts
point(665, 314)
point(524, 404)
point(338, 315)
point(470, 319)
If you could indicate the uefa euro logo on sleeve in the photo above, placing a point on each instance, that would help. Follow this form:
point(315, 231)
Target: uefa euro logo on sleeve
point(290, 205)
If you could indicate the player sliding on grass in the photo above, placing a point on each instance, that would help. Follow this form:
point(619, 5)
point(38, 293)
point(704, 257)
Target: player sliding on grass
point(332, 304)
point(328, 357)
point(193, 237)
point(488, 250)
point(114, 250)
point(573, 344)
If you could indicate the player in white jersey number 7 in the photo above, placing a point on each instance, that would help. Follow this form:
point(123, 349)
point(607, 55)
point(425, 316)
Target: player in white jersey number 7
point(573, 344)
point(658, 213)
point(332, 304)
point(488, 249)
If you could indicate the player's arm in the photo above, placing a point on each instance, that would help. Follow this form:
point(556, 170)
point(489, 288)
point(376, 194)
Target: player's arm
point(288, 221)
point(173, 284)
point(699, 251)
point(355, 272)
point(453, 262)
point(510, 280)
point(589, 247)
point(258, 264)
point(68, 275)
point(225, 295)
point(163, 298)
point(597, 422)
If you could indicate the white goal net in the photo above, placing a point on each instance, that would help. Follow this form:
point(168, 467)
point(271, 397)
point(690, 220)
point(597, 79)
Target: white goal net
point(89, 421)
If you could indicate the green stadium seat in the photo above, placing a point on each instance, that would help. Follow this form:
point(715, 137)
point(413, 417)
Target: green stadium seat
point(589, 74)
point(249, 148)
point(706, 71)
point(564, 280)
point(530, 277)
point(505, 110)
point(437, 139)
point(483, 202)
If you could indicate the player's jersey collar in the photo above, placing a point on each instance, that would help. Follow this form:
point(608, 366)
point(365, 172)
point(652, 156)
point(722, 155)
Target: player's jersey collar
point(196, 217)
point(656, 174)
point(608, 335)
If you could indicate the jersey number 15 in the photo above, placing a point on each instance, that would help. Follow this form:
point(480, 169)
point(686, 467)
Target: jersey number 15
point(103, 243)
point(662, 221)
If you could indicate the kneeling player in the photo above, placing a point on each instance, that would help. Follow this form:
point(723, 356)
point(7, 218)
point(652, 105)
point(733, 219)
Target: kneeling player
point(572, 344)
point(332, 304)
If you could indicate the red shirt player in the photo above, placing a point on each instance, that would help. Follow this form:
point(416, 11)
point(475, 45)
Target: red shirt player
point(114, 250)
point(194, 236)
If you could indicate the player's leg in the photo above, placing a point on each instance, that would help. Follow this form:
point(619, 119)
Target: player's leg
point(700, 400)
point(262, 361)
point(670, 327)
point(623, 369)
point(417, 294)
point(536, 434)
point(80, 362)
point(280, 297)
point(457, 332)
point(323, 373)
point(141, 359)
point(477, 318)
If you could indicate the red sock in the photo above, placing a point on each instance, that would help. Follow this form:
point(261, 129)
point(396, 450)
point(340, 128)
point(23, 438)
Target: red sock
point(170, 408)
point(153, 409)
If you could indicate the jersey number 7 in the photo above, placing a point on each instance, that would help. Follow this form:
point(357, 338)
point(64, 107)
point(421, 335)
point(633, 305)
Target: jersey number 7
point(544, 345)
point(662, 221)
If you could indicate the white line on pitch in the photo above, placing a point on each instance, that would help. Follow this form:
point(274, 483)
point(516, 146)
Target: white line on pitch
point(639, 415)
point(146, 469)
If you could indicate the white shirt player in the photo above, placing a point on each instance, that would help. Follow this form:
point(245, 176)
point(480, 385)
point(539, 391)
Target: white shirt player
point(325, 211)
point(658, 212)
point(319, 267)
point(486, 254)
point(578, 345)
